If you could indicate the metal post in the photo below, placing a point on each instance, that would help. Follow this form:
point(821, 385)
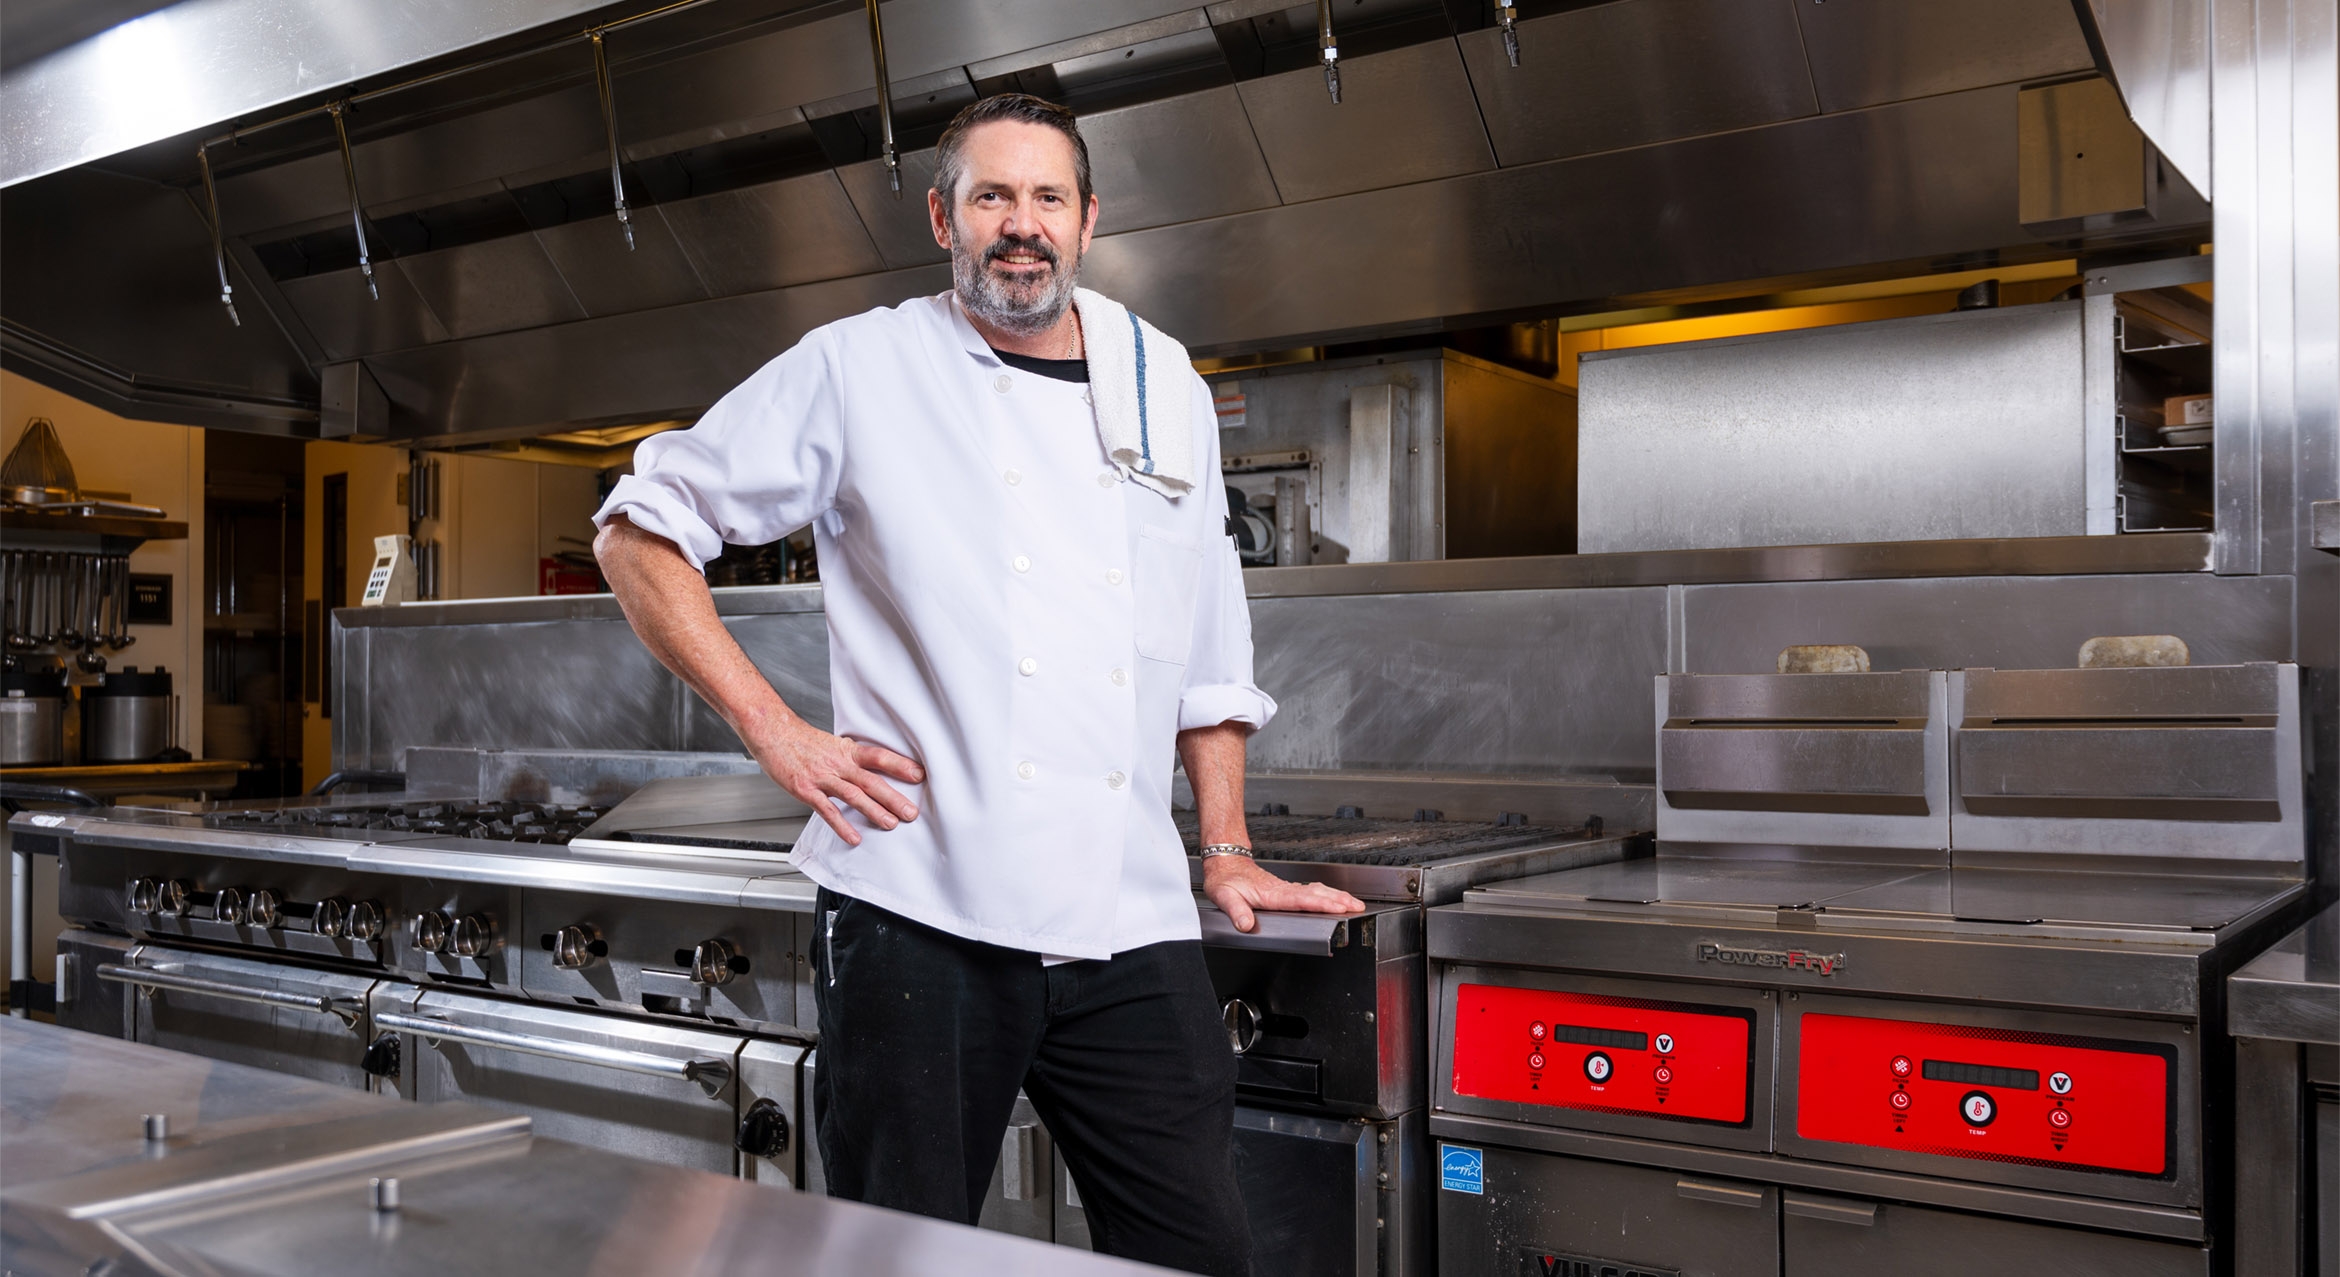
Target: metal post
point(617, 179)
point(357, 208)
point(1507, 14)
point(227, 291)
point(885, 95)
point(1329, 49)
point(20, 892)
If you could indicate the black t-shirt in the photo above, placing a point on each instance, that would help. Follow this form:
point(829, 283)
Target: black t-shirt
point(1060, 369)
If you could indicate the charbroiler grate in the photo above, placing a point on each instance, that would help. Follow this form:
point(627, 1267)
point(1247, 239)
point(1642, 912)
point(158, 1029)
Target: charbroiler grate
point(1360, 840)
point(502, 821)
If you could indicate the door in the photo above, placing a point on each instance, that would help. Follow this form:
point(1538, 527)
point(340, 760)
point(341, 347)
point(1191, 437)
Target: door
point(270, 1015)
point(83, 1000)
point(1503, 1212)
point(623, 1085)
point(1824, 1235)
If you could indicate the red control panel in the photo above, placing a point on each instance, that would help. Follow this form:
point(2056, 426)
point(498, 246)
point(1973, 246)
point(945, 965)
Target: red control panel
point(1996, 1094)
point(1609, 1055)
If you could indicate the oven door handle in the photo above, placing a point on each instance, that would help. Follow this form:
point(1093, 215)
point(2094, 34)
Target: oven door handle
point(710, 1075)
point(154, 978)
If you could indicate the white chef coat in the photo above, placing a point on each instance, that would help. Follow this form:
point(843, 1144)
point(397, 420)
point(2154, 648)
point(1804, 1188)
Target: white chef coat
point(1003, 606)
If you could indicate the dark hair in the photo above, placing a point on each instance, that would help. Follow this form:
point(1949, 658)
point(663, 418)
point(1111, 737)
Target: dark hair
point(1020, 108)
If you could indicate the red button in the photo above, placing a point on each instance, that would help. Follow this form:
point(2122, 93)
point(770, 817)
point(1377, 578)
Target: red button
point(1664, 1075)
point(1901, 1066)
point(2059, 1118)
point(1536, 1060)
point(1537, 1030)
point(1901, 1099)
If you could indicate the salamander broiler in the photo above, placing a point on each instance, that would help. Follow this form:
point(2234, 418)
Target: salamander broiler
point(614, 945)
point(1925, 977)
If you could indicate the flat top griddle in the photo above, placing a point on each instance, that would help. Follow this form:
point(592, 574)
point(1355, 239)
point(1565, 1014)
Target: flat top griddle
point(1359, 840)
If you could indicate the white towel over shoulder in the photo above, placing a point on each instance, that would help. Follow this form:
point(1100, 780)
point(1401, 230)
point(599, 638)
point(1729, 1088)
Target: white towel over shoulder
point(1142, 383)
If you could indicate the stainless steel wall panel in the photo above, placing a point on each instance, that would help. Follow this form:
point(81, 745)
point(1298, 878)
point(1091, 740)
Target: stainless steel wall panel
point(901, 228)
point(792, 231)
point(1996, 622)
point(1864, 52)
point(1935, 427)
point(1175, 160)
point(492, 286)
point(348, 322)
point(1618, 75)
point(587, 686)
point(1404, 116)
point(1544, 682)
point(607, 278)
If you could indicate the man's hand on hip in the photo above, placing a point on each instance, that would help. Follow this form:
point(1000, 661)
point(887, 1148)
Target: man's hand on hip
point(1238, 886)
point(817, 767)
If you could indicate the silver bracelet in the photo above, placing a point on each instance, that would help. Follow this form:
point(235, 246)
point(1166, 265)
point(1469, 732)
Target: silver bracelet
point(1225, 849)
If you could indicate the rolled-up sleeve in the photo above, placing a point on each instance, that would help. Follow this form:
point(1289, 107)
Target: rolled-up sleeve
point(763, 462)
point(1219, 687)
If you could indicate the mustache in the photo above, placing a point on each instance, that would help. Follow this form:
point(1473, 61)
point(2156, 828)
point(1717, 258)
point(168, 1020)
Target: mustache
point(1032, 244)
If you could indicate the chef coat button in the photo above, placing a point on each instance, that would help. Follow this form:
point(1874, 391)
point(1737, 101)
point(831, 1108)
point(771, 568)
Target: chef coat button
point(1003, 383)
point(1023, 564)
point(1120, 678)
point(1105, 480)
point(1115, 780)
point(1027, 667)
point(1113, 576)
point(1013, 477)
point(1026, 771)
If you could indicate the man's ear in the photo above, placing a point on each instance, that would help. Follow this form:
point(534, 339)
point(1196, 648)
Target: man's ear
point(1089, 224)
point(940, 216)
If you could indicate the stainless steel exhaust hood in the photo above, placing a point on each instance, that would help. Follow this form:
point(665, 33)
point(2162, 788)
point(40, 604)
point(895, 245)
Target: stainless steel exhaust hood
point(1643, 152)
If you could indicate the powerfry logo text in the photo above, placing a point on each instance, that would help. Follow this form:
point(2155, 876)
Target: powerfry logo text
point(1820, 964)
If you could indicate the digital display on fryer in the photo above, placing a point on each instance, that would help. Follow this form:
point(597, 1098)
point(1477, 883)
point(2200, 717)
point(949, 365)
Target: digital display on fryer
point(1614, 1039)
point(1981, 1075)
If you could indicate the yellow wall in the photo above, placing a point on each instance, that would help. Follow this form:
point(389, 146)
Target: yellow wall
point(151, 464)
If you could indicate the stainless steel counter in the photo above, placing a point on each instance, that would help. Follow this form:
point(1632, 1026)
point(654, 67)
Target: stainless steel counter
point(265, 1173)
point(2292, 991)
point(2283, 1009)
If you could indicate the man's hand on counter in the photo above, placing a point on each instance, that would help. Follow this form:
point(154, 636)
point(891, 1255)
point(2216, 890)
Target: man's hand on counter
point(817, 767)
point(1238, 886)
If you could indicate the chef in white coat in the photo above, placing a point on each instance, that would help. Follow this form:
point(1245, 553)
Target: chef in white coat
point(1034, 614)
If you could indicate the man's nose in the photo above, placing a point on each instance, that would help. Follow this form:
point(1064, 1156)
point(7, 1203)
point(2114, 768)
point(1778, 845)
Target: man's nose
point(1021, 218)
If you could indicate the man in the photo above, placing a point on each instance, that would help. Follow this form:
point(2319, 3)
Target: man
point(1030, 600)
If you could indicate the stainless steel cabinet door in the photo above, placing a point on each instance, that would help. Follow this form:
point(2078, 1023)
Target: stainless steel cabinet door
point(615, 1083)
point(1535, 1212)
point(1832, 1235)
point(270, 1015)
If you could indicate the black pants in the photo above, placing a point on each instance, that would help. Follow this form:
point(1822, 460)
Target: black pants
point(925, 1038)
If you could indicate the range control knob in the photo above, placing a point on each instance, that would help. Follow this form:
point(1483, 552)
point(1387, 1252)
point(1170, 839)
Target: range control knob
point(330, 917)
point(229, 905)
point(430, 931)
point(763, 1132)
point(263, 909)
point(143, 895)
point(366, 920)
point(715, 962)
point(1243, 1024)
point(575, 948)
point(475, 936)
point(176, 897)
point(381, 1057)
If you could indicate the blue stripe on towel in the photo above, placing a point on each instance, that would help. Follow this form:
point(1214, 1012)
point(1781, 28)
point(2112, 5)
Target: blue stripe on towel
point(1145, 437)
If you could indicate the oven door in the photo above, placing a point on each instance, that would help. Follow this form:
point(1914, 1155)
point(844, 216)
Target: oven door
point(83, 1001)
point(1327, 1195)
point(270, 1015)
point(1503, 1212)
point(656, 1091)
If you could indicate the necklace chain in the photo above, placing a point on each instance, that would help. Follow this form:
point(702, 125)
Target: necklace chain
point(1072, 336)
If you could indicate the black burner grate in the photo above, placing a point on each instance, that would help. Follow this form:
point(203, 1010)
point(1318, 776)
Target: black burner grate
point(1361, 840)
point(501, 821)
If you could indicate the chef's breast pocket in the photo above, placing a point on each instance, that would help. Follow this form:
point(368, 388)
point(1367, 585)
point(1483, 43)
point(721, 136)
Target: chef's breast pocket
point(1167, 573)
